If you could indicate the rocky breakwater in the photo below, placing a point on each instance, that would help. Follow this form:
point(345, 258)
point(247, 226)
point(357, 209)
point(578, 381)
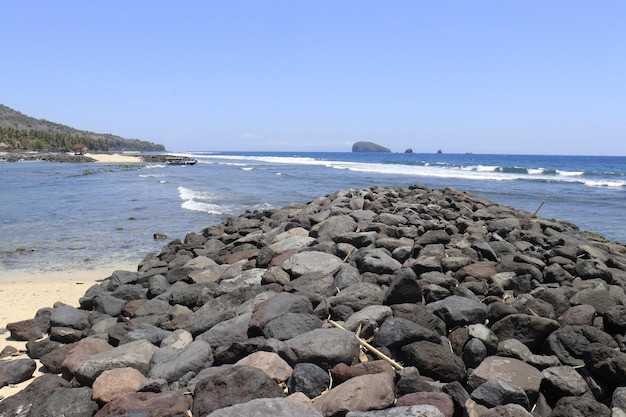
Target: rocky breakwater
point(462, 307)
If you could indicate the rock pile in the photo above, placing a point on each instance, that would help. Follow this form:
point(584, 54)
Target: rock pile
point(462, 307)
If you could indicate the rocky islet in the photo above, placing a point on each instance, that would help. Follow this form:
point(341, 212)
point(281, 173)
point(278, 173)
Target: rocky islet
point(471, 308)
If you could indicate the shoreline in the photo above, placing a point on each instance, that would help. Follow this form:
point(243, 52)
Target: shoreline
point(24, 293)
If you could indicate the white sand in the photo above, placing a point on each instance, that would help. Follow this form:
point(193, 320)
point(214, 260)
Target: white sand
point(21, 295)
point(101, 157)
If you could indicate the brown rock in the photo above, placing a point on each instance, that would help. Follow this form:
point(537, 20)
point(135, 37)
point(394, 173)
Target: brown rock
point(342, 372)
point(116, 383)
point(361, 393)
point(510, 370)
point(270, 363)
point(147, 404)
point(439, 399)
point(480, 270)
point(82, 350)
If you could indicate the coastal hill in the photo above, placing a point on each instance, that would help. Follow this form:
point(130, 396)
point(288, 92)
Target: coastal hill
point(19, 131)
point(368, 147)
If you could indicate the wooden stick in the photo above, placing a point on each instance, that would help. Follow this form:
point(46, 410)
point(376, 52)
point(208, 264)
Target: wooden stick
point(538, 208)
point(371, 348)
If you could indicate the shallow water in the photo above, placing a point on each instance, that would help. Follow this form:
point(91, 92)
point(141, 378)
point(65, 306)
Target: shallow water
point(56, 217)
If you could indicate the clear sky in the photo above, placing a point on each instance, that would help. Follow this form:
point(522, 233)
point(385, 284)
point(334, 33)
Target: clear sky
point(482, 76)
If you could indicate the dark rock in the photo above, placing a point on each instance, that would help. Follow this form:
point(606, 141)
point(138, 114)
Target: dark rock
point(309, 379)
point(497, 392)
point(290, 325)
point(563, 381)
point(578, 315)
point(459, 311)
point(397, 332)
point(434, 360)
point(607, 364)
point(419, 313)
point(528, 329)
point(70, 402)
point(31, 329)
point(570, 342)
point(579, 407)
point(16, 371)
point(37, 348)
point(404, 288)
point(235, 385)
point(19, 404)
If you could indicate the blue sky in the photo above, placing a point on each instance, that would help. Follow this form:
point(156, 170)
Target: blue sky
point(512, 77)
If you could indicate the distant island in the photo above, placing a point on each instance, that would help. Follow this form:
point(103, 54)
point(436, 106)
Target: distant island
point(21, 132)
point(368, 147)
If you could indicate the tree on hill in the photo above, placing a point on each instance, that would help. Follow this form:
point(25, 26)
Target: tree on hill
point(19, 131)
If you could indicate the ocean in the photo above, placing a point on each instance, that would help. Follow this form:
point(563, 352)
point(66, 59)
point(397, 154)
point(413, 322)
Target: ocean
point(60, 217)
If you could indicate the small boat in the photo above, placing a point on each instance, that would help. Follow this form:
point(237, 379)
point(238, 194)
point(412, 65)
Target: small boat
point(181, 161)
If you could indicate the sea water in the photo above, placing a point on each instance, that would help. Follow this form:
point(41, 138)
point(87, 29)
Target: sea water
point(58, 216)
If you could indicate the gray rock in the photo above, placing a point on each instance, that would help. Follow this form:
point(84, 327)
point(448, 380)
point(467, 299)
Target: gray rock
point(227, 332)
point(263, 407)
point(67, 316)
point(134, 354)
point(370, 314)
point(378, 261)
point(323, 346)
point(412, 411)
point(358, 296)
point(277, 306)
point(146, 331)
point(171, 364)
point(306, 262)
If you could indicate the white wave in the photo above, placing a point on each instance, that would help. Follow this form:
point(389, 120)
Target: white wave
point(606, 183)
point(163, 182)
point(247, 168)
point(153, 166)
point(535, 171)
point(203, 207)
point(570, 173)
point(150, 175)
point(189, 194)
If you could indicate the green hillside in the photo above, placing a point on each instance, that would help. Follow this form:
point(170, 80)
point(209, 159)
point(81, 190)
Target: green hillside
point(18, 131)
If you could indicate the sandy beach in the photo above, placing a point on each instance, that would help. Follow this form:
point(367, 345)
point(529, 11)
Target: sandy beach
point(23, 294)
point(101, 157)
